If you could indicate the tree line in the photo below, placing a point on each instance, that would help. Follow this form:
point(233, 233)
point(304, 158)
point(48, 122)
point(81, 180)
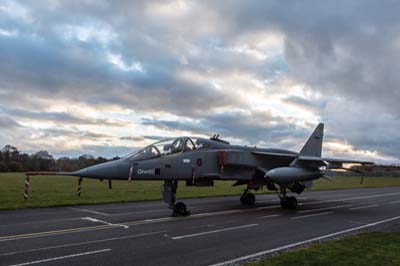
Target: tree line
point(12, 160)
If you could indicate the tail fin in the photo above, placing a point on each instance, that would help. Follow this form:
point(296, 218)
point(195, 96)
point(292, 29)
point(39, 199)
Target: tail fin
point(313, 146)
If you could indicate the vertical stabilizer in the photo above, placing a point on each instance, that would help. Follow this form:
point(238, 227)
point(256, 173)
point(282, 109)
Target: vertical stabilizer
point(313, 146)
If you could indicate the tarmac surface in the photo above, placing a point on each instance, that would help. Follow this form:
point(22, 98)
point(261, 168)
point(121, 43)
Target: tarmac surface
point(220, 230)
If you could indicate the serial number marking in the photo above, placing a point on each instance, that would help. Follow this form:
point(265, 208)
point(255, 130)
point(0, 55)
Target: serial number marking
point(146, 171)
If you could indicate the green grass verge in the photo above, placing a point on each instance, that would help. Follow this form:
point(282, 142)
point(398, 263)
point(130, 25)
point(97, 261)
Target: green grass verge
point(60, 191)
point(370, 249)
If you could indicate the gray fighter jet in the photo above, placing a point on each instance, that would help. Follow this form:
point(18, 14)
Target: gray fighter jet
point(200, 161)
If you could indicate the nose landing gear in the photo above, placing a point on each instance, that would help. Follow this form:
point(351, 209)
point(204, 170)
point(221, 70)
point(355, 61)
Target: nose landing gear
point(180, 209)
point(247, 198)
point(168, 190)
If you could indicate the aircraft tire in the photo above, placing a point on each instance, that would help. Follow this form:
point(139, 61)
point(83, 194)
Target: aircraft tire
point(284, 204)
point(248, 199)
point(251, 199)
point(291, 203)
point(180, 209)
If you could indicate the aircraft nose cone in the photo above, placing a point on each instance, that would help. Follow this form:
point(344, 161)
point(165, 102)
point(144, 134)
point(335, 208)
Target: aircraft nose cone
point(103, 170)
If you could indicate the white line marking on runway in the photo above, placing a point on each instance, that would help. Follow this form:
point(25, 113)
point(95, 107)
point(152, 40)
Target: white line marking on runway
point(394, 202)
point(364, 207)
point(269, 216)
point(39, 222)
point(104, 222)
point(373, 196)
point(85, 210)
point(83, 243)
point(63, 257)
point(326, 208)
point(164, 209)
point(270, 251)
point(138, 212)
point(358, 197)
point(213, 231)
point(310, 215)
point(155, 220)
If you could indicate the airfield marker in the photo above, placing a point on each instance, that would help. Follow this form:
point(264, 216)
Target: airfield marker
point(130, 173)
point(79, 188)
point(27, 185)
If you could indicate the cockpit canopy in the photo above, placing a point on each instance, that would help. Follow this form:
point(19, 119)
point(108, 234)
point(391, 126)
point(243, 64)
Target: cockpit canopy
point(164, 147)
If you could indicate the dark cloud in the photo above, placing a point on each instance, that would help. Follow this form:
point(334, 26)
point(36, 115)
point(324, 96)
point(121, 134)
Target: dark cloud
point(312, 105)
point(351, 123)
point(57, 73)
point(251, 128)
point(347, 48)
point(132, 138)
point(155, 137)
point(7, 122)
point(62, 118)
point(75, 133)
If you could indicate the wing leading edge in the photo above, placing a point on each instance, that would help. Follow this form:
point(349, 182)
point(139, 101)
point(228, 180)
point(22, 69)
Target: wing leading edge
point(312, 161)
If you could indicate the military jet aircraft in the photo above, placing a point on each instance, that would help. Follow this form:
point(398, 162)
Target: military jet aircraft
point(200, 161)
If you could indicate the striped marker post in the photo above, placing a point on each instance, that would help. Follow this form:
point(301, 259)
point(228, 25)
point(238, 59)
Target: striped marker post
point(130, 173)
point(79, 188)
point(27, 185)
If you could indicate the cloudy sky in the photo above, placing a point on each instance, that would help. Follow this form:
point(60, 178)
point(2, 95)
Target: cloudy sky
point(101, 77)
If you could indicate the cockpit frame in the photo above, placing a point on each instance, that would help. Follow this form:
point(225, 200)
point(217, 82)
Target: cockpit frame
point(162, 148)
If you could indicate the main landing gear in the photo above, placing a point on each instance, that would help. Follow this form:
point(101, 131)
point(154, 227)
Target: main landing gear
point(287, 202)
point(247, 198)
point(168, 190)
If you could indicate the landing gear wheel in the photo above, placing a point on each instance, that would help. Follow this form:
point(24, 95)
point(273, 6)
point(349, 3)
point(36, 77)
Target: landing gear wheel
point(168, 190)
point(290, 203)
point(180, 209)
point(248, 199)
point(283, 204)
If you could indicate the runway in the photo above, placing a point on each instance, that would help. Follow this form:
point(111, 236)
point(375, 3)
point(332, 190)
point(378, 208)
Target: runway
point(219, 231)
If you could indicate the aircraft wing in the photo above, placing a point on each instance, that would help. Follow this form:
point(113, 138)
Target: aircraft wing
point(333, 160)
point(275, 154)
point(312, 161)
point(330, 163)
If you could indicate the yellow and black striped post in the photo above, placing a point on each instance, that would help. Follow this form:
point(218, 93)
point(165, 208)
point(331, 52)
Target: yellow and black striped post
point(79, 188)
point(27, 185)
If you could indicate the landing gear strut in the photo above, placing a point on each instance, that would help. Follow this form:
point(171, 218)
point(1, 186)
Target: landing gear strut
point(168, 190)
point(247, 198)
point(287, 202)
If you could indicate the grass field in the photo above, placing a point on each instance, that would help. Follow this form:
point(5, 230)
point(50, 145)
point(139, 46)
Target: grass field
point(366, 249)
point(60, 191)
